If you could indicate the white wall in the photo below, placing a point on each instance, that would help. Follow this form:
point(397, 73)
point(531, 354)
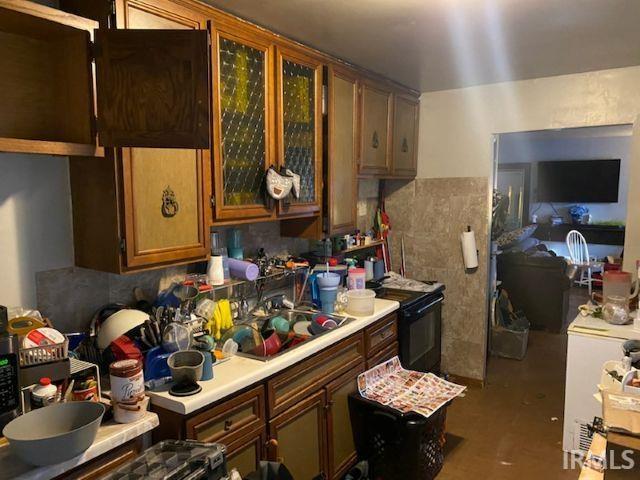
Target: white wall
point(456, 125)
point(35, 223)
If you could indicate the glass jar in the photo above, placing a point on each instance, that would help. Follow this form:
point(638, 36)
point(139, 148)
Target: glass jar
point(616, 310)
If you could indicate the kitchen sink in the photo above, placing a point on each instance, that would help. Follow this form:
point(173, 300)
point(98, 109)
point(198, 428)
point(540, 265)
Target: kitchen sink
point(299, 333)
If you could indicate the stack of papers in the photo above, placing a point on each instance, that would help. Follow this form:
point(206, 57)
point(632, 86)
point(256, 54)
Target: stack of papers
point(406, 390)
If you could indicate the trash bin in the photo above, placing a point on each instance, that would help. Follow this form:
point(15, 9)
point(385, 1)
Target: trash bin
point(398, 446)
point(270, 471)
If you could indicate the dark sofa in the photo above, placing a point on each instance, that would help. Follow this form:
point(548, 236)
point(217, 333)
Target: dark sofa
point(537, 285)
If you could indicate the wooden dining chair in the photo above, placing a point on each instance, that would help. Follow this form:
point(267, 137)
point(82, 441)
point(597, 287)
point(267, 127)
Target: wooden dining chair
point(579, 255)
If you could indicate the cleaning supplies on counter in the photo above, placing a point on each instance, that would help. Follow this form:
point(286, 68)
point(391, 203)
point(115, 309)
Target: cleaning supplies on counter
point(43, 394)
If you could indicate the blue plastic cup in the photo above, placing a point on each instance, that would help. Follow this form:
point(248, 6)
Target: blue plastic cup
point(328, 299)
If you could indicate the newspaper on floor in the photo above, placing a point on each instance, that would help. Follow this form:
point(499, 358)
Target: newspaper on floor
point(406, 390)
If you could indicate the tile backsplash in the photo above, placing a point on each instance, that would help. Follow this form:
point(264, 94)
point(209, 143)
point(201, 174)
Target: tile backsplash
point(70, 296)
point(431, 213)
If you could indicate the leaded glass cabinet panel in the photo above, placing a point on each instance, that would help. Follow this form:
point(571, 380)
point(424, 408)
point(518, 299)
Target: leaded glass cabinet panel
point(242, 126)
point(299, 119)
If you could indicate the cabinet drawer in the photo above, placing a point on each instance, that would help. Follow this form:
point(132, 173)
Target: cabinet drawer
point(229, 419)
point(290, 387)
point(381, 334)
point(106, 463)
point(387, 353)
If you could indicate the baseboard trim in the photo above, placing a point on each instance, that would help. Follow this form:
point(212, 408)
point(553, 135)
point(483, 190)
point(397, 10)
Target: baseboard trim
point(466, 381)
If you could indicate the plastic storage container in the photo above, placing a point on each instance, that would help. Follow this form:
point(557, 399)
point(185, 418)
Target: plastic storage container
point(398, 446)
point(176, 459)
point(360, 302)
point(508, 343)
point(356, 279)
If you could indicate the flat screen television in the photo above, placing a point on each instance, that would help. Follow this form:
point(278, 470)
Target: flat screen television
point(580, 181)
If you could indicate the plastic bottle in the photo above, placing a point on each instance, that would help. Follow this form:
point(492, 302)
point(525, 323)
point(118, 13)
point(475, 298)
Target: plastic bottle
point(43, 394)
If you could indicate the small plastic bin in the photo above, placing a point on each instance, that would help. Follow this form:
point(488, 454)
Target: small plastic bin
point(508, 343)
point(398, 446)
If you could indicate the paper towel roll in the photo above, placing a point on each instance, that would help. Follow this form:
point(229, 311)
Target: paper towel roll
point(469, 250)
point(215, 270)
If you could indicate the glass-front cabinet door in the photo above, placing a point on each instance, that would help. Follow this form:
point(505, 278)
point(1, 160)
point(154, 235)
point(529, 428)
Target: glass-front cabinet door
point(242, 125)
point(299, 124)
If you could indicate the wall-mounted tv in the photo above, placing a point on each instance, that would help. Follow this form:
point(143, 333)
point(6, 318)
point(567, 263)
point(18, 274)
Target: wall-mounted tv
point(580, 181)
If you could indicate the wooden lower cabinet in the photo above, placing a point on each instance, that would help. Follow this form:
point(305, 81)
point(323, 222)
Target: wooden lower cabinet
point(106, 463)
point(299, 435)
point(340, 446)
point(383, 355)
point(245, 453)
point(299, 417)
point(229, 420)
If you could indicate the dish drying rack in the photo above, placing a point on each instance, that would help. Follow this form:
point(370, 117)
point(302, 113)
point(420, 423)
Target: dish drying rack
point(44, 354)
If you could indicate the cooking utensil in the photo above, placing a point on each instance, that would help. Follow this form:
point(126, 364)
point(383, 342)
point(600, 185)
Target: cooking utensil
point(186, 366)
point(51, 435)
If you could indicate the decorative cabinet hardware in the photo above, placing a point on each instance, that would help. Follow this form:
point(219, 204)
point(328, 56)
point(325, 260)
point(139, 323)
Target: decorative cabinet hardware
point(405, 145)
point(375, 142)
point(227, 424)
point(170, 204)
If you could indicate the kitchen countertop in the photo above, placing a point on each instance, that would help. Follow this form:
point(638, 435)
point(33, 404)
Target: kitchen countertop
point(110, 435)
point(240, 372)
point(588, 325)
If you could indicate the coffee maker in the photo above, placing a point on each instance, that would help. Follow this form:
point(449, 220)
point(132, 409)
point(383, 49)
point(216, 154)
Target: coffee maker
point(10, 405)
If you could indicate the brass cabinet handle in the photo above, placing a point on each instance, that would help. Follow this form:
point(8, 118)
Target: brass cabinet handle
point(170, 204)
point(375, 142)
point(405, 145)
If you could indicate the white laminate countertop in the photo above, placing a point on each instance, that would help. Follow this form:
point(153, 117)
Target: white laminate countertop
point(240, 372)
point(110, 435)
point(588, 325)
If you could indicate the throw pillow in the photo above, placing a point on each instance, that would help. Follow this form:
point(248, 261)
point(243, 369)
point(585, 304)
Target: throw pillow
point(517, 235)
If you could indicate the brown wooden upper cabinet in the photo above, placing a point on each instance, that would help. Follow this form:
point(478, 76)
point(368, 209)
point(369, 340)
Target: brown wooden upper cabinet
point(243, 123)
point(342, 142)
point(376, 106)
point(405, 135)
point(140, 208)
point(299, 126)
point(151, 90)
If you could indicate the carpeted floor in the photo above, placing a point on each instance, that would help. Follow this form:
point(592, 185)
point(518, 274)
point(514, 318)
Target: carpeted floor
point(512, 428)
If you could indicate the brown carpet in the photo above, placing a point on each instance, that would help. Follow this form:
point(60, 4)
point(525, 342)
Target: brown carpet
point(512, 428)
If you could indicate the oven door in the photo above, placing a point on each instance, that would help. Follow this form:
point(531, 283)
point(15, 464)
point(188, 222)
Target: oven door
point(420, 336)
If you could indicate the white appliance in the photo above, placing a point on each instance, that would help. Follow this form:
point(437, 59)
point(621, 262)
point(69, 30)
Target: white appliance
point(591, 342)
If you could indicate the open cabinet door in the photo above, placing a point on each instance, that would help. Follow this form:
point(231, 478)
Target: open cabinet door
point(632, 230)
point(152, 88)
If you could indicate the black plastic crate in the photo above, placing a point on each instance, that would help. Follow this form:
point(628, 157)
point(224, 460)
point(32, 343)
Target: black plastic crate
point(398, 446)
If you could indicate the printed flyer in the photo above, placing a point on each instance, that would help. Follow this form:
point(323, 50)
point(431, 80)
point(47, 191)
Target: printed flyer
point(406, 390)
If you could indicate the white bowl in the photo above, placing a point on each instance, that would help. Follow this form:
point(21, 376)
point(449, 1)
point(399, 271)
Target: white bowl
point(118, 324)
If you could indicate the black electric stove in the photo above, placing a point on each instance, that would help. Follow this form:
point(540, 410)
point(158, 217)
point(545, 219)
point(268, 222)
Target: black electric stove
point(419, 326)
